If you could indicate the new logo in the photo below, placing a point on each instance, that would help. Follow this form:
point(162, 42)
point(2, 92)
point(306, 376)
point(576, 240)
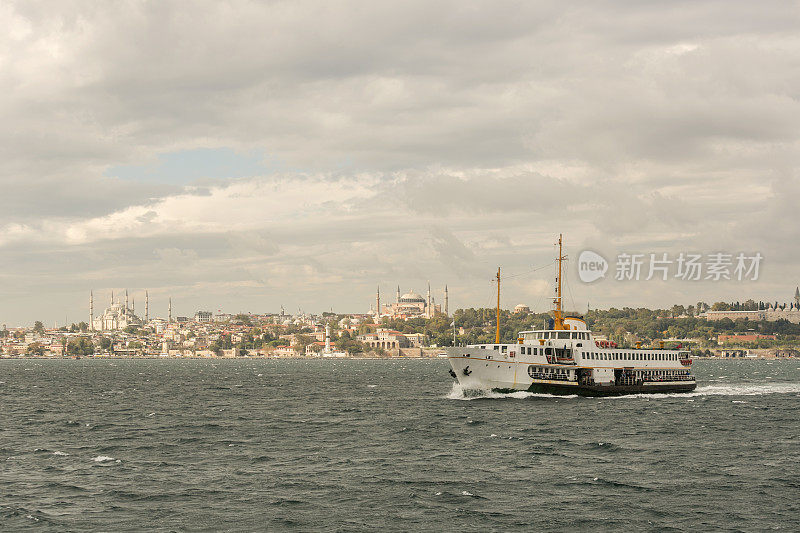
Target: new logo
point(591, 266)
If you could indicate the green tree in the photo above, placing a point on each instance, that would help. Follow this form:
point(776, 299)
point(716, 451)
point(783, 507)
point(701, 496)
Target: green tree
point(80, 346)
point(38, 327)
point(243, 319)
point(35, 348)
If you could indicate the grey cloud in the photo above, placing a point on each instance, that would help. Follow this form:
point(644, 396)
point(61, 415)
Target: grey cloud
point(487, 129)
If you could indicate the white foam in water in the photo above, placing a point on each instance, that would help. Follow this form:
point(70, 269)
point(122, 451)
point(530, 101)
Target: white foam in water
point(102, 459)
point(460, 393)
point(741, 389)
point(62, 454)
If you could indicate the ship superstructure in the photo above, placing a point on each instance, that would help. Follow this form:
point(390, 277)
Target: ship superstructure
point(565, 358)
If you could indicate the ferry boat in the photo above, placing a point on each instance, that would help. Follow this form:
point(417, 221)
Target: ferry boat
point(565, 359)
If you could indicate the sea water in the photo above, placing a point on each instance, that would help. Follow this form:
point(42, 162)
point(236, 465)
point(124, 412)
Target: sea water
point(361, 445)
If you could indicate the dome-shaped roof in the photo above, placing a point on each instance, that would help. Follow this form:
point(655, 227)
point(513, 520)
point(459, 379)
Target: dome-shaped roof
point(411, 296)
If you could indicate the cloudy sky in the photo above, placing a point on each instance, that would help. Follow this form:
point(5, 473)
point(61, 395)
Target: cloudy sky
point(247, 155)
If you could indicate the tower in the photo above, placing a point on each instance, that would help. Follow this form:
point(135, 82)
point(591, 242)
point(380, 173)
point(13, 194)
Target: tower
point(378, 305)
point(398, 294)
point(169, 320)
point(446, 302)
point(91, 311)
point(126, 301)
point(146, 307)
point(797, 296)
point(112, 297)
point(428, 311)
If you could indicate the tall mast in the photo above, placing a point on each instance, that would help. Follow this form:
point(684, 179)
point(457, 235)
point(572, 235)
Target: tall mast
point(497, 333)
point(559, 317)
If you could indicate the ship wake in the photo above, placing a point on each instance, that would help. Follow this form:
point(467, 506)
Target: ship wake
point(733, 389)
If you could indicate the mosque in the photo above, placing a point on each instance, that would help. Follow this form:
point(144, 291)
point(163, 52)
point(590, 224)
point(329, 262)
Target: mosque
point(411, 305)
point(120, 315)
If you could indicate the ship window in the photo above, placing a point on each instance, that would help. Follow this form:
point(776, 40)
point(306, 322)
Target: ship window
point(563, 334)
point(505, 348)
point(496, 347)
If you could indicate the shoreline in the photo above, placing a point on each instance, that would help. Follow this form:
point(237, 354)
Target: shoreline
point(356, 358)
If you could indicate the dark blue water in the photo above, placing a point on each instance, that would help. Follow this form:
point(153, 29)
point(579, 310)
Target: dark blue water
point(177, 445)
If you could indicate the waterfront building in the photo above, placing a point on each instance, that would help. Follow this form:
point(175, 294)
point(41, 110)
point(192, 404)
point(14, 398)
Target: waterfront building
point(743, 337)
point(385, 338)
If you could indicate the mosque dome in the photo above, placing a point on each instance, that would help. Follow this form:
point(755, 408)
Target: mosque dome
point(411, 297)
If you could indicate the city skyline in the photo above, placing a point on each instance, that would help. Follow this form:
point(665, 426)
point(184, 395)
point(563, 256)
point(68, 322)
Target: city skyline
point(303, 155)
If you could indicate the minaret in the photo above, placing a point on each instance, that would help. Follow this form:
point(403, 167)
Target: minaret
point(378, 305)
point(91, 311)
point(126, 301)
point(446, 302)
point(146, 307)
point(797, 296)
point(398, 294)
point(428, 309)
point(169, 320)
point(112, 297)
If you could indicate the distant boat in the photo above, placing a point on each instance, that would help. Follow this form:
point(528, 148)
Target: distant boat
point(564, 358)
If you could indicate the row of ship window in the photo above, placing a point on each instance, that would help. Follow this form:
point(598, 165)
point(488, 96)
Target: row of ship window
point(560, 335)
point(540, 372)
point(631, 356)
point(665, 375)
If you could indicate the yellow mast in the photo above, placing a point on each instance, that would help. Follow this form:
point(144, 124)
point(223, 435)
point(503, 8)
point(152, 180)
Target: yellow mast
point(497, 334)
point(559, 317)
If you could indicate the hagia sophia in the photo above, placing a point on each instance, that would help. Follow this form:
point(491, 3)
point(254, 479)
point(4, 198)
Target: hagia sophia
point(410, 305)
